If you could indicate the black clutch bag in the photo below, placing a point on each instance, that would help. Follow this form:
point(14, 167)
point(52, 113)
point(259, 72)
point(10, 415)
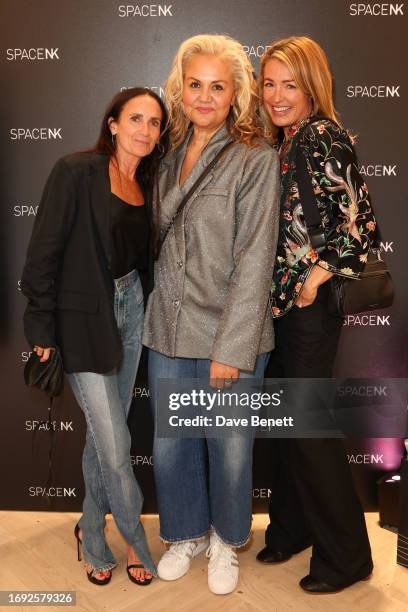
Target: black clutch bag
point(47, 376)
point(373, 290)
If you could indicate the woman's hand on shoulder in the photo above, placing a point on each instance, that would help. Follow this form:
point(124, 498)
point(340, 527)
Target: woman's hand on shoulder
point(222, 375)
point(43, 353)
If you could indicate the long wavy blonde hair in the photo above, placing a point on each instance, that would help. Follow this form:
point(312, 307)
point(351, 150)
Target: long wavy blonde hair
point(310, 68)
point(242, 122)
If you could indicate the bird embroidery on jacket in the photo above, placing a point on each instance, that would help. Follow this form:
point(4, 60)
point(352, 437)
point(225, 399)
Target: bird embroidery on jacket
point(351, 211)
point(297, 238)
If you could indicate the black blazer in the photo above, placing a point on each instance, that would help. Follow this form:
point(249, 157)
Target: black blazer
point(67, 277)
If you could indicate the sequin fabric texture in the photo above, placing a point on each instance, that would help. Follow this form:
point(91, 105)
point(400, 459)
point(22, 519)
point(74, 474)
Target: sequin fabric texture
point(213, 276)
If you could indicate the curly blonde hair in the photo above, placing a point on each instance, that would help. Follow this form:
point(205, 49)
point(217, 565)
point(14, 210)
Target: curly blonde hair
point(242, 122)
point(310, 68)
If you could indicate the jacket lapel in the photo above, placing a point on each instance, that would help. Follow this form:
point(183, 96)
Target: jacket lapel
point(99, 187)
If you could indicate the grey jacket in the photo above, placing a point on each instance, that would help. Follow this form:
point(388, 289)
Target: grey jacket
point(213, 276)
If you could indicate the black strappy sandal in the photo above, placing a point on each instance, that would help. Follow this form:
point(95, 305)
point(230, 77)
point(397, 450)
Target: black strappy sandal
point(145, 582)
point(91, 577)
point(79, 541)
point(98, 581)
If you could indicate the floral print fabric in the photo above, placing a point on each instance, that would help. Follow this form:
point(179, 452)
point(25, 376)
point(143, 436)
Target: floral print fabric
point(344, 205)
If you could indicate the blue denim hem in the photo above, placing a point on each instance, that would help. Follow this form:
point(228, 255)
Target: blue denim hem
point(240, 544)
point(181, 540)
point(104, 568)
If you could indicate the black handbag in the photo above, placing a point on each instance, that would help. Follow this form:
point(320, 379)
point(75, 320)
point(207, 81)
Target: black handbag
point(47, 375)
point(374, 288)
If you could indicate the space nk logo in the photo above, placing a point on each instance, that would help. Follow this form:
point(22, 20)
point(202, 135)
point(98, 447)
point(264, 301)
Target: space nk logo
point(255, 50)
point(141, 392)
point(378, 170)
point(34, 54)
point(366, 459)
point(25, 210)
point(387, 247)
point(158, 89)
point(378, 9)
point(367, 320)
point(52, 491)
point(141, 460)
point(34, 425)
point(42, 133)
point(261, 493)
point(145, 10)
point(373, 91)
point(362, 391)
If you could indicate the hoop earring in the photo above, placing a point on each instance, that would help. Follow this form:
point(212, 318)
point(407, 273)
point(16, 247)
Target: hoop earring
point(114, 141)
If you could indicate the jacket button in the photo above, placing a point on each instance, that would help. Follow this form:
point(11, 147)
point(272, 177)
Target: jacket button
point(180, 264)
point(176, 303)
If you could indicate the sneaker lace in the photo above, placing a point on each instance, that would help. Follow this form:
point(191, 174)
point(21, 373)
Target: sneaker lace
point(221, 554)
point(181, 549)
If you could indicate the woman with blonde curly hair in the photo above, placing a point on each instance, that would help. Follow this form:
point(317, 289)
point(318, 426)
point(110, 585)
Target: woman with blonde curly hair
point(313, 498)
point(207, 318)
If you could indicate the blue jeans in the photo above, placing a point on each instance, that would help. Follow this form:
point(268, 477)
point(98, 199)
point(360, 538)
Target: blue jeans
point(190, 500)
point(110, 484)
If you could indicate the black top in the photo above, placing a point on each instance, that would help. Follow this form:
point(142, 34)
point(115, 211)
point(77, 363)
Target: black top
point(130, 234)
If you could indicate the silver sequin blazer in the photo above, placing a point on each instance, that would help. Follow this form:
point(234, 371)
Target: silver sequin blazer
point(213, 276)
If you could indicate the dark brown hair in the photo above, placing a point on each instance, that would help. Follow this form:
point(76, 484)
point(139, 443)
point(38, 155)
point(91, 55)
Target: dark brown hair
point(149, 164)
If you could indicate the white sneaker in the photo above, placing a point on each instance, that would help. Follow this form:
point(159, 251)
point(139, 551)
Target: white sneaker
point(223, 567)
point(176, 561)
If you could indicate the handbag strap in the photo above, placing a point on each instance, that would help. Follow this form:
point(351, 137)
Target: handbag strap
point(308, 199)
point(307, 196)
point(194, 188)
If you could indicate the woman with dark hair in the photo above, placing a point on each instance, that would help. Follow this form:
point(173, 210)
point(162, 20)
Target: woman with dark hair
point(313, 498)
point(81, 278)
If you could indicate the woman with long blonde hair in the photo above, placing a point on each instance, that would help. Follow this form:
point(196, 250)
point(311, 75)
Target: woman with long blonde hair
point(207, 318)
point(313, 499)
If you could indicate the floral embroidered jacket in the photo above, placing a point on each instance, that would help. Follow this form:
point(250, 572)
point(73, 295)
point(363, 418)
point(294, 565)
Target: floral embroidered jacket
point(344, 205)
